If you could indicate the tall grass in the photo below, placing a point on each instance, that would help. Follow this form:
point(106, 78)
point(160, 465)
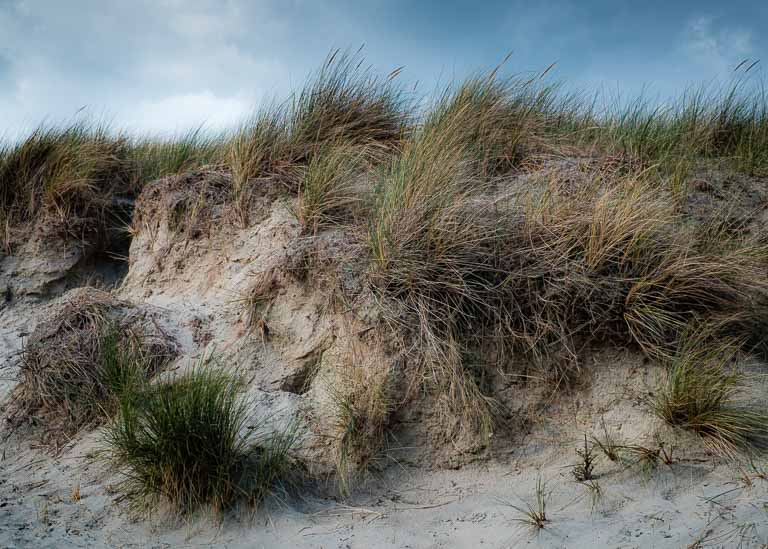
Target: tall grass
point(156, 157)
point(344, 104)
point(65, 172)
point(429, 249)
point(497, 119)
point(83, 176)
point(726, 122)
point(601, 259)
point(327, 189)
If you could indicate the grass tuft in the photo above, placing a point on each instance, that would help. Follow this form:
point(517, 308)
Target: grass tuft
point(184, 441)
point(534, 514)
point(701, 393)
point(584, 469)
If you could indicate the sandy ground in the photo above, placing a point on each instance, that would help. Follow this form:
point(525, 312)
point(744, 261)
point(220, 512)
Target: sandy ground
point(405, 507)
point(696, 501)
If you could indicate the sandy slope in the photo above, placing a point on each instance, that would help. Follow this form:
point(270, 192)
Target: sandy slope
point(405, 505)
point(196, 287)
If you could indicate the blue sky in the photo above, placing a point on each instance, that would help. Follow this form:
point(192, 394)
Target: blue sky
point(166, 65)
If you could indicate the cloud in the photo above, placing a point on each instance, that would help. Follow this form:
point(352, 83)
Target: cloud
point(180, 112)
point(140, 62)
point(153, 63)
point(718, 49)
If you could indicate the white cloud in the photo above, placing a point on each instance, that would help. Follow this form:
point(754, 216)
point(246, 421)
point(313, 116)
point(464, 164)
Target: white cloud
point(182, 62)
point(180, 112)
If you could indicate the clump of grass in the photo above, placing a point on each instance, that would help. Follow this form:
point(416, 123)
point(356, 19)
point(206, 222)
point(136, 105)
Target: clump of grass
point(647, 459)
point(344, 104)
point(184, 441)
point(82, 177)
point(66, 174)
point(327, 189)
point(584, 469)
point(701, 393)
point(153, 158)
point(598, 259)
point(534, 514)
point(434, 254)
point(498, 119)
point(261, 148)
point(727, 123)
point(78, 364)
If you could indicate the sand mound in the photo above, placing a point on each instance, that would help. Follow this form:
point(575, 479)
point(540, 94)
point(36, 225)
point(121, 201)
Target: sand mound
point(63, 381)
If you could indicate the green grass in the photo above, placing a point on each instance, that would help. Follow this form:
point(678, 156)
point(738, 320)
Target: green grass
point(343, 105)
point(68, 174)
point(702, 392)
point(326, 192)
point(727, 122)
point(184, 441)
point(346, 102)
point(156, 157)
point(498, 120)
point(82, 174)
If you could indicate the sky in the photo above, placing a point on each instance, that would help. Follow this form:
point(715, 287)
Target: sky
point(163, 66)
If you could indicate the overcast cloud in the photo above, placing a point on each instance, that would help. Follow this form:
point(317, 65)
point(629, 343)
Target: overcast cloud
point(167, 65)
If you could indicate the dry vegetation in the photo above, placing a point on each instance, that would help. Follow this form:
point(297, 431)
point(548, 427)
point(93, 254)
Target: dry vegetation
point(466, 250)
point(80, 363)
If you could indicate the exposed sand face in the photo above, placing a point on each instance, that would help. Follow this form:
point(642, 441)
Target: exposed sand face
point(197, 289)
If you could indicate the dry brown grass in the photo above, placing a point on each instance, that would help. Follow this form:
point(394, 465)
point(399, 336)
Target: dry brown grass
point(601, 259)
point(361, 391)
point(78, 363)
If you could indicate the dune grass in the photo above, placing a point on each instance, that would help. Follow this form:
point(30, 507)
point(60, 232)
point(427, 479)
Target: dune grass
point(68, 174)
point(727, 122)
point(702, 392)
point(498, 120)
point(343, 104)
point(461, 257)
point(327, 191)
point(155, 157)
point(184, 441)
point(360, 389)
point(79, 173)
point(604, 259)
point(83, 176)
point(346, 102)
